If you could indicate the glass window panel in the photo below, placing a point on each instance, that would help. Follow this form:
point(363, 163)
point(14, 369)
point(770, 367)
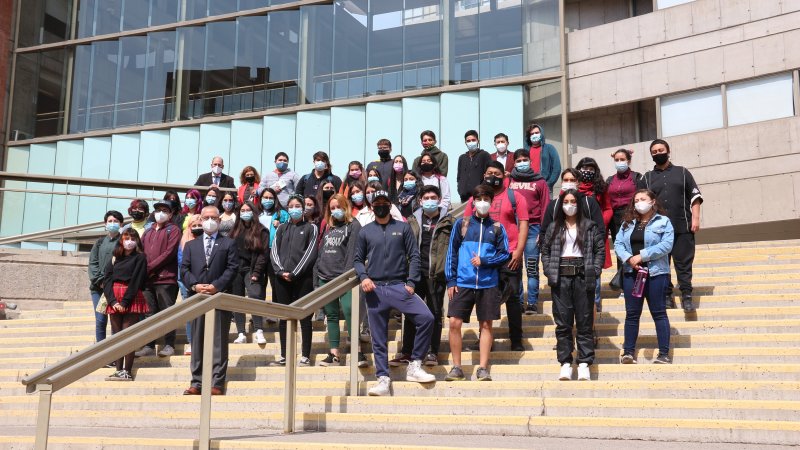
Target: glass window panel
point(124, 162)
point(96, 161)
point(760, 99)
point(541, 31)
point(246, 138)
point(108, 16)
point(196, 9)
point(215, 140)
point(347, 137)
point(103, 84)
point(501, 112)
point(244, 5)
point(251, 59)
point(159, 77)
point(216, 7)
point(69, 158)
point(41, 111)
point(193, 39)
point(279, 136)
point(464, 25)
point(350, 50)
point(313, 135)
point(45, 21)
point(183, 144)
point(86, 13)
point(135, 14)
point(164, 11)
point(320, 53)
point(501, 36)
point(130, 102)
point(385, 46)
point(459, 113)
point(669, 3)
point(153, 156)
point(691, 112)
point(384, 120)
point(219, 67)
point(13, 206)
point(37, 206)
point(419, 114)
point(283, 57)
point(80, 88)
point(422, 46)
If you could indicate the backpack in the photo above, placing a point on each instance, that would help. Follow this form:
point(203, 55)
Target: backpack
point(465, 225)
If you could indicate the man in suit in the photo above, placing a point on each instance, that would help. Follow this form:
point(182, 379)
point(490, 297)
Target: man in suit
point(216, 178)
point(209, 265)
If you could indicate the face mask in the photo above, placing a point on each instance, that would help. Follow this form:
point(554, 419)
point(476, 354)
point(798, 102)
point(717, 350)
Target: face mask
point(569, 185)
point(426, 167)
point(643, 207)
point(130, 244)
point(570, 209)
point(398, 167)
point(535, 138)
point(211, 199)
point(430, 206)
point(309, 210)
point(326, 195)
point(295, 213)
point(587, 176)
point(523, 166)
point(216, 170)
point(409, 185)
point(621, 166)
point(501, 148)
point(357, 198)
point(281, 165)
point(250, 179)
point(112, 227)
point(337, 214)
point(472, 145)
point(320, 165)
point(210, 226)
point(371, 179)
point(355, 174)
point(381, 211)
point(197, 231)
point(227, 205)
point(661, 159)
point(493, 181)
point(247, 216)
point(482, 207)
point(137, 215)
point(384, 154)
point(161, 216)
point(268, 203)
point(370, 197)
point(191, 203)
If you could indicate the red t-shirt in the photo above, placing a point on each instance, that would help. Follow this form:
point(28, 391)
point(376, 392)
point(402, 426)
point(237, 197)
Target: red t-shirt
point(501, 211)
point(536, 159)
point(536, 194)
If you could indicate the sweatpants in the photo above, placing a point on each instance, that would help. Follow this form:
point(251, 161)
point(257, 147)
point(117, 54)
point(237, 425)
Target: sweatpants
point(432, 292)
point(160, 297)
point(683, 257)
point(572, 304)
point(286, 293)
point(379, 303)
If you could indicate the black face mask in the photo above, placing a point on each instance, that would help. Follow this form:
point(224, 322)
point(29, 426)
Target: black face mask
point(137, 215)
point(427, 167)
point(197, 232)
point(326, 195)
point(384, 154)
point(493, 181)
point(250, 179)
point(381, 211)
point(661, 158)
point(587, 176)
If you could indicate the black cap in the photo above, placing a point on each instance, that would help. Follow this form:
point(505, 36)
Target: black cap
point(380, 194)
point(168, 203)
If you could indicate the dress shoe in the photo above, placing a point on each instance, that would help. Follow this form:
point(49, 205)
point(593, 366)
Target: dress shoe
point(217, 391)
point(192, 391)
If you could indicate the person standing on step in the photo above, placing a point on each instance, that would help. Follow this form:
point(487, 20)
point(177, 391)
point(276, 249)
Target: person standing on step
point(387, 263)
point(678, 194)
point(428, 140)
point(252, 245)
point(355, 175)
point(160, 243)
point(471, 166)
point(383, 166)
point(248, 191)
point(573, 252)
point(644, 241)
point(194, 230)
point(216, 178)
point(502, 154)
point(125, 276)
point(139, 210)
point(621, 188)
point(208, 267)
point(544, 157)
point(432, 176)
point(282, 180)
point(99, 257)
point(310, 183)
point(478, 248)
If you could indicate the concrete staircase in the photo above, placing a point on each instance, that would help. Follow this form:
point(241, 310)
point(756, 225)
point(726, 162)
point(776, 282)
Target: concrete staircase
point(735, 377)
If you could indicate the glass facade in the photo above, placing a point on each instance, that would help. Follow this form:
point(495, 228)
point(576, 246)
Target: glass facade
point(226, 65)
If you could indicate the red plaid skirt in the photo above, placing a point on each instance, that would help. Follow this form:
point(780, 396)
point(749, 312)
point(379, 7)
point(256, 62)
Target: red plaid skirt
point(139, 305)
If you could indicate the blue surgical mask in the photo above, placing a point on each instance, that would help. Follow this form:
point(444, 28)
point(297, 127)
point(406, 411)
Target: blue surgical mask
point(357, 198)
point(227, 205)
point(191, 203)
point(247, 216)
point(337, 214)
point(211, 199)
point(472, 145)
point(523, 166)
point(535, 138)
point(621, 166)
point(430, 206)
point(371, 179)
point(320, 165)
point(295, 213)
point(112, 227)
point(268, 204)
point(409, 185)
point(282, 165)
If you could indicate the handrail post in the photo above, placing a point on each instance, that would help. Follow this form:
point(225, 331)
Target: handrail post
point(208, 364)
point(355, 339)
point(43, 416)
point(290, 388)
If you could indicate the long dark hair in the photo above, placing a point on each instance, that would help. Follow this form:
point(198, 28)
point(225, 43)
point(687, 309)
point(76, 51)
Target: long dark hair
point(275, 209)
point(218, 194)
point(396, 176)
point(599, 184)
point(251, 231)
point(560, 219)
point(436, 169)
point(631, 214)
point(119, 250)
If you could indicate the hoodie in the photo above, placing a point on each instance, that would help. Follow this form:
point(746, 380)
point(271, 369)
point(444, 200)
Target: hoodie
point(550, 161)
point(534, 188)
point(471, 170)
point(439, 157)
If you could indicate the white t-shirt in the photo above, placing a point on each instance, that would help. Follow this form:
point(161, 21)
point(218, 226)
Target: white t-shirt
point(570, 250)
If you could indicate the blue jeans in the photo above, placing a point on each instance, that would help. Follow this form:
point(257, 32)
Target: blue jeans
point(532, 264)
point(100, 320)
point(597, 298)
point(656, 302)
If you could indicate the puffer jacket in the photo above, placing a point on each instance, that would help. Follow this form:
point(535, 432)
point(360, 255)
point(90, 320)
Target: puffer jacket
point(440, 240)
point(594, 253)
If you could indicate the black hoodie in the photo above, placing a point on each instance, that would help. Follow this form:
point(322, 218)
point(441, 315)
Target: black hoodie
point(471, 170)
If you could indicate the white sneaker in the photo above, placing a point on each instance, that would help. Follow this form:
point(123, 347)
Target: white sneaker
point(241, 339)
point(622, 295)
point(167, 351)
point(414, 372)
point(382, 388)
point(260, 339)
point(145, 351)
point(583, 372)
point(566, 372)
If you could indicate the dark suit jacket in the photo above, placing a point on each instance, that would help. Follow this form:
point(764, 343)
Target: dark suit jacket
point(221, 268)
point(206, 180)
point(509, 160)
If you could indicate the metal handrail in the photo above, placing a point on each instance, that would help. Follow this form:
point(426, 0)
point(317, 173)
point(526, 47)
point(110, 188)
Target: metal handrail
point(54, 232)
point(100, 182)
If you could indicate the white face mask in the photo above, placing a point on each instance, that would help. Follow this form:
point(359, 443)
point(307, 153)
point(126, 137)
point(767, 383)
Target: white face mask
point(216, 170)
point(210, 226)
point(501, 147)
point(130, 244)
point(570, 209)
point(567, 185)
point(482, 207)
point(643, 207)
point(161, 217)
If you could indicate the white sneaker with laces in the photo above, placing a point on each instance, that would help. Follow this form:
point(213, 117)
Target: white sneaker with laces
point(382, 388)
point(145, 351)
point(583, 372)
point(566, 372)
point(260, 339)
point(167, 350)
point(414, 372)
point(241, 339)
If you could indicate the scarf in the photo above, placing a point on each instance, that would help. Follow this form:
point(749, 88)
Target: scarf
point(528, 175)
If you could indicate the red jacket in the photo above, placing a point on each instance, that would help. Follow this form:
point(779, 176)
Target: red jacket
point(161, 250)
point(509, 160)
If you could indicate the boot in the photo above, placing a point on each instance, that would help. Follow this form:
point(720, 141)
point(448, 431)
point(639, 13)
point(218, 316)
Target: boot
point(686, 304)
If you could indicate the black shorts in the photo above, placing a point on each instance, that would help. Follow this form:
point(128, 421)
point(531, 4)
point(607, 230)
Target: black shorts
point(487, 302)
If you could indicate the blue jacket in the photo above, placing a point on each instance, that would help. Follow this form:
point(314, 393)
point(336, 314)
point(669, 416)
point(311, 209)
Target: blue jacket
point(484, 238)
point(658, 238)
point(387, 254)
point(550, 161)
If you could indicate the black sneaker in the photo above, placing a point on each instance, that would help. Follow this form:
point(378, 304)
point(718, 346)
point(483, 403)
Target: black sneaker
point(517, 347)
point(531, 310)
point(402, 359)
point(662, 359)
point(671, 302)
point(362, 360)
point(330, 360)
point(686, 304)
point(431, 360)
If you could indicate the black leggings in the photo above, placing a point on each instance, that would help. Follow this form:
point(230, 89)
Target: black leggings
point(121, 322)
point(285, 293)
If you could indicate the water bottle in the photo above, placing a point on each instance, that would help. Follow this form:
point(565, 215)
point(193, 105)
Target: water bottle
point(638, 285)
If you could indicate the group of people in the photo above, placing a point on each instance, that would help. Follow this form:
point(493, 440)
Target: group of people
point(394, 224)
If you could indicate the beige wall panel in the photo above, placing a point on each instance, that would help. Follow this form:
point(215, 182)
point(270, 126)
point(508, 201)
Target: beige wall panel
point(580, 94)
point(629, 84)
point(572, 15)
point(654, 79)
point(581, 133)
point(604, 88)
point(764, 167)
point(790, 5)
point(768, 55)
point(791, 48)
point(793, 125)
point(774, 138)
point(745, 140)
point(651, 28)
point(717, 205)
point(706, 16)
point(760, 9)
point(795, 188)
point(685, 150)
point(713, 147)
point(746, 196)
point(626, 34)
point(728, 36)
point(778, 198)
point(679, 22)
point(735, 12)
point(738, 61)
point(681, 73)
point(709, 66)
point(601, 40)
point(578, 46)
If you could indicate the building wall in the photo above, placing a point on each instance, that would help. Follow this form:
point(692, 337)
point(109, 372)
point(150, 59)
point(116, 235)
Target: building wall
point(6, 48)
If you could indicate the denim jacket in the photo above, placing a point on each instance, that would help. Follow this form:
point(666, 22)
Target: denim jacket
point(658, 238)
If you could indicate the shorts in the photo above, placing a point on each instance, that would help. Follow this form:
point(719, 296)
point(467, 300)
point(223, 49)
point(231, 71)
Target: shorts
point(486, 302)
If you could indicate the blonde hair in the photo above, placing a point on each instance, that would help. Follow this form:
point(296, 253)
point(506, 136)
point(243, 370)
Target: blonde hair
point(187, 233)
point(344, 204)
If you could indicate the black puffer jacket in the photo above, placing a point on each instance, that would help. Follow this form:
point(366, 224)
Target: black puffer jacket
point(594, 254)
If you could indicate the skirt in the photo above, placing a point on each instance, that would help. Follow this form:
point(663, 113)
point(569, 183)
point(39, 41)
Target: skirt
point(138, 306)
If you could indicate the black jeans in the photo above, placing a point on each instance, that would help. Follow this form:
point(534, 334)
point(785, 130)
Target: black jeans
point(432, 291)
point(683, 257)
point(510, 283)
point(573, 304)
point(244, 285)
point(160, 297)
point(614, 226)
point(286, 293)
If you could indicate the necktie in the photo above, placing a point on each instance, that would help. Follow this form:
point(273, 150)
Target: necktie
point(216, 181)
point(209, 246)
